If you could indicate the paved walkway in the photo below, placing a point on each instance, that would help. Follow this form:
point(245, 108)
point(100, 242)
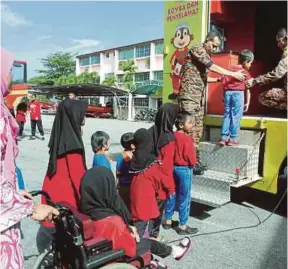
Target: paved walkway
point(263, 247)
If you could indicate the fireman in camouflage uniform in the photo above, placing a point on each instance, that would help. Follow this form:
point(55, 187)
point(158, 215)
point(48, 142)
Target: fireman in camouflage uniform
point(194, 80)
point(276, 97)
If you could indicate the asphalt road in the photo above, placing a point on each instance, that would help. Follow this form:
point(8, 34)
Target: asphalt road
point(262, 247)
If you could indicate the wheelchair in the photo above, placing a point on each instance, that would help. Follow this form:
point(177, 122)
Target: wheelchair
point(74, 247)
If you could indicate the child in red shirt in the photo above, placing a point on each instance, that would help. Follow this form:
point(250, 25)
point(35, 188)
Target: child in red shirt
point(35, 117)
point(21, 118)
point(184, 161)
point(163, 148)
point(148, 180)
point(234, 100)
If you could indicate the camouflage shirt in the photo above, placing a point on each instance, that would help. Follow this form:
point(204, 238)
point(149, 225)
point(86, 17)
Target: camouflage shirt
point(194, 75)
point(278, 73)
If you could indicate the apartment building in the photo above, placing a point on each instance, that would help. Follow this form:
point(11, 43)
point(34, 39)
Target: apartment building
point(148, 58)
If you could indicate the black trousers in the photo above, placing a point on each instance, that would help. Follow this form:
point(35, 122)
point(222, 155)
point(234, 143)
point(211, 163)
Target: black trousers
point(39, 125)
point(21, 128)
point(157, 248)
point(157, 222)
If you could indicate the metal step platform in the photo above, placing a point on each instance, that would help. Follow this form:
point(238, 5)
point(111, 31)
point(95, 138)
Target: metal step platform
point(214, 187)
point(228, 159)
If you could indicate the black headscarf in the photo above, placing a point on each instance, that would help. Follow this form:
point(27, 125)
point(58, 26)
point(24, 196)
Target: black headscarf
point(22, 106)
point(162, 130)
point(66, 132)
point(99, 196)
point(142, 157)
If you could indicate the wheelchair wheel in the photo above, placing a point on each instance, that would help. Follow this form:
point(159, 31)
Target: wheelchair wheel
point(45, 260)
point(118, 266)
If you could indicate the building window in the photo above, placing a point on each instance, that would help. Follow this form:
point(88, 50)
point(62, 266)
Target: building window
point(139, 77)
point(159, 47)
point(158, 75)
point(85, 61)
point(107, 55)
point(95, 59)
point(120, 78)
point(141, 102)
point(126, 54)
point(143, 51)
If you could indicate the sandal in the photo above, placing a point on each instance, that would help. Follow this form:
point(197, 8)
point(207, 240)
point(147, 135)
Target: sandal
point(185, 243)
point(173, 225)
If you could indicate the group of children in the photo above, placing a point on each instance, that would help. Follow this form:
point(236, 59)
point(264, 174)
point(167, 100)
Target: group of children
point(34, 109)
point(155, 170)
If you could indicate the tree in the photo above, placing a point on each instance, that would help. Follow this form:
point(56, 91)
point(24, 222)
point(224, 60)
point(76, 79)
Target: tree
point(57, 65)
point(109, 81)
point(83, 78)
point(86, 78)
point(40, 80)
point(129, 68)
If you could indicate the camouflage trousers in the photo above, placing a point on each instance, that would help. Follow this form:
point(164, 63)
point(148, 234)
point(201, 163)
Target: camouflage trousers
point(197, 113)
point(274, 98)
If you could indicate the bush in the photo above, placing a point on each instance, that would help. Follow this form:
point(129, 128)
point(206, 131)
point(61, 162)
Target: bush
point(147, 115)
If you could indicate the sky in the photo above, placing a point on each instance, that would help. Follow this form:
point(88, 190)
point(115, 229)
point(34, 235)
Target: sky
point(33, 30)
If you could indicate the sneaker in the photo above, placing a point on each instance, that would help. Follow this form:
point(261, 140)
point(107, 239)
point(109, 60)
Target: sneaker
point(187, 231)
point(232, 143)
point(32, 138)
point(174, 224)
point(222, 142)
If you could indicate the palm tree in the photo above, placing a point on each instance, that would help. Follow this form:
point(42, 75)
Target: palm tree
point(129, 68)
point(109, 81)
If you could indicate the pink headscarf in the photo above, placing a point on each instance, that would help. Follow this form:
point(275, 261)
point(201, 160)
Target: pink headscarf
point(7, 60)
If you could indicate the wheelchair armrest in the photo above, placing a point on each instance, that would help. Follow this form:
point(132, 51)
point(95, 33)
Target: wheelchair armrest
point(104, 258)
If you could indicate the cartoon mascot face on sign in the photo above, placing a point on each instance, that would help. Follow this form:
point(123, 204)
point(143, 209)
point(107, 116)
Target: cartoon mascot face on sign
point(181, 40)
point(182, 37)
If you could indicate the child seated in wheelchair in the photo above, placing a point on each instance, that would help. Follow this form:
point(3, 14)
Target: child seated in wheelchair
point(112, 220)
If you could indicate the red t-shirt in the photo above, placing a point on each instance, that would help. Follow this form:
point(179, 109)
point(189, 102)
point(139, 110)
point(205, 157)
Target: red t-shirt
point(35, 110)
point(144, 191)
point(166, 157)
point(230, 83)
point(20, 116)
point(185, 153)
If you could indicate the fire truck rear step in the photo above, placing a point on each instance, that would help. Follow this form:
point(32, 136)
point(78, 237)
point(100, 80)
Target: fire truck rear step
point(214, 188)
